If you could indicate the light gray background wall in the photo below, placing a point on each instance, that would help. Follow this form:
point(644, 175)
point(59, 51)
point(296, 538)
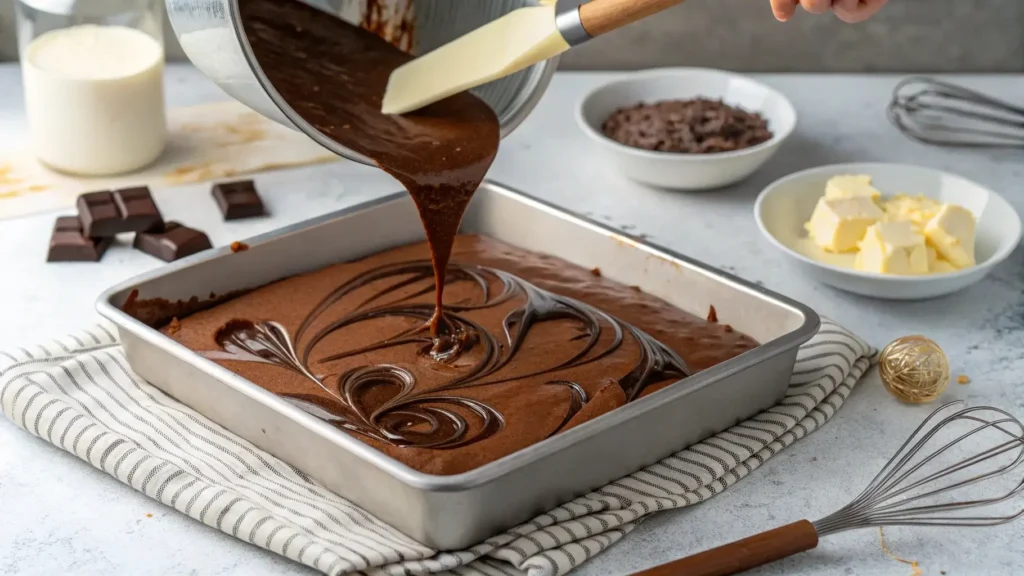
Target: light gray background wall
point(908, 36)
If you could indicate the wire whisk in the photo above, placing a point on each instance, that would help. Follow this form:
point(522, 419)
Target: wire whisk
point(943, 114)
point(952, 449)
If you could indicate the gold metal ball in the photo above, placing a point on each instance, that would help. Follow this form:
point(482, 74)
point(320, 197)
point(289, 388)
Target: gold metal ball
point(914, 369)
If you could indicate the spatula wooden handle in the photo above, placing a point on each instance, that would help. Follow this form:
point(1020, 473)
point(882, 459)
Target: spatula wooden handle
point(600, 16)
point(743, 555)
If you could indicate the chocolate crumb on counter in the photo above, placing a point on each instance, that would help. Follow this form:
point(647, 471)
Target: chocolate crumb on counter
point(237, 246)
point(712, 314)
point(697, 126)
point(596, 272)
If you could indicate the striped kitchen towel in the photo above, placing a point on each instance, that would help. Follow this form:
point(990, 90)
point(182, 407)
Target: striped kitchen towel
point(79, 394)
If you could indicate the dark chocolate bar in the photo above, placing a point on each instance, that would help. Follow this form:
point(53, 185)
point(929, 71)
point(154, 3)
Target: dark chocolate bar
point(99, 215)
point(68, 244)
point(106, 214)
point(238, 199)
point(138, 210)
point(173, 242)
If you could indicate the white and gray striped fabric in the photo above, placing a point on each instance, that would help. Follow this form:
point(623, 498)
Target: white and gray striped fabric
point(79, 394)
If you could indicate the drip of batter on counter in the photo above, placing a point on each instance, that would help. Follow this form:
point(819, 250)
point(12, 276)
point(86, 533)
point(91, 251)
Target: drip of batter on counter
point(333, 74)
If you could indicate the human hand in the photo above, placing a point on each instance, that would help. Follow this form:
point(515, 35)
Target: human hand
point(850, 11)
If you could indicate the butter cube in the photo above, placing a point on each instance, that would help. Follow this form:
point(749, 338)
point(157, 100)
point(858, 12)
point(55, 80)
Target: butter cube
point(951, 232)
point(851, 187)
point(838, 224)
point(892, 248)
point(917, 210)
point(936, 264)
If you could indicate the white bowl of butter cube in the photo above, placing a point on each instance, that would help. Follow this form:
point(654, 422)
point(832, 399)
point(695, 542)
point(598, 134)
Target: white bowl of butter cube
point(888, 231)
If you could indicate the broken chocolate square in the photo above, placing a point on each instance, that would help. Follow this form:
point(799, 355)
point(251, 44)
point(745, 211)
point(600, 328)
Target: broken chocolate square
point(68, 244)
point(138, 210)
point(173, 242)
point(99, 215)
point(107, 214)
point(238, 199)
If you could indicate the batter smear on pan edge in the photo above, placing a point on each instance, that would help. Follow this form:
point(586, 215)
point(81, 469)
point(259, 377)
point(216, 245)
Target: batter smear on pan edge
point(526, 346)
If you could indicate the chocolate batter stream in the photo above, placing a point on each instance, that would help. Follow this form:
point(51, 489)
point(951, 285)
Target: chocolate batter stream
point(526, 346)
point(334, 74)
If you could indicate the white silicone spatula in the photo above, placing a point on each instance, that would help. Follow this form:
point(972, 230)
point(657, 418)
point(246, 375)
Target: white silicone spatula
point(519, 39)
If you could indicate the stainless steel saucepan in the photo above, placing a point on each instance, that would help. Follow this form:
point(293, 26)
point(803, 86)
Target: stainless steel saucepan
point(212, 36)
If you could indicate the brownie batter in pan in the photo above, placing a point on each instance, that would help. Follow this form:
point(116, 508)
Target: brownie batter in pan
point(540, 346)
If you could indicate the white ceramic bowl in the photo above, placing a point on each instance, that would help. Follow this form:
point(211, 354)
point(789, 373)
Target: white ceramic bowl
point(783, 208)
point(686, 171)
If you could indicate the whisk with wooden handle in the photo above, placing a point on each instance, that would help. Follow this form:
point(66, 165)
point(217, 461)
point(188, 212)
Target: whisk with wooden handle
point(915, 488)
point(944, 114)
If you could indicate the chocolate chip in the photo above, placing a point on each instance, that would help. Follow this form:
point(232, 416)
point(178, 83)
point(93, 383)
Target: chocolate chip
point(174, 242)
point(68, 244)
point(238, 199)
point(698, 126)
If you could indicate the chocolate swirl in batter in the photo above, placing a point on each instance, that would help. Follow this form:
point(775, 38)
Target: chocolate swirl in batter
point(334, 75)
point(379, 401)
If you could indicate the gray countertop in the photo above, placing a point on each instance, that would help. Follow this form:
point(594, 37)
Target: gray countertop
point(57, 514)
point(938, 35)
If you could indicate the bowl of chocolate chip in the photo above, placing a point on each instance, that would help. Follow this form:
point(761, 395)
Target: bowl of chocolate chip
point(687, 128)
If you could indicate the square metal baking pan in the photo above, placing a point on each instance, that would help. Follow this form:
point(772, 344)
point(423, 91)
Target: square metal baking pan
point(453, 512)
